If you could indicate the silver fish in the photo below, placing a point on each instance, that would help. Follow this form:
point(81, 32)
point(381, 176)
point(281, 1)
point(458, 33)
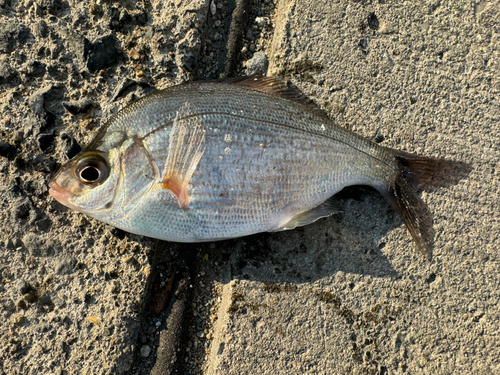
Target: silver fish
point(222, 159)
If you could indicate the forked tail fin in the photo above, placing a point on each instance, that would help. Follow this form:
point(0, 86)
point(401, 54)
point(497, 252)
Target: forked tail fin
point(416, 173)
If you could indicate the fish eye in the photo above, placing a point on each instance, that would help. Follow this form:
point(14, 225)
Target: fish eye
point(91, 170)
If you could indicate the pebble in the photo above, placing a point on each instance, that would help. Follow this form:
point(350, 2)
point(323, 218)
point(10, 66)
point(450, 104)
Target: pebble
point(145, 351)
point(257, 65)
point(261, 21)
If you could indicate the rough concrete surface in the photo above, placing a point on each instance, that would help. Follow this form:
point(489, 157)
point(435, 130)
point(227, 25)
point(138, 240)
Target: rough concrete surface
point(348, 294)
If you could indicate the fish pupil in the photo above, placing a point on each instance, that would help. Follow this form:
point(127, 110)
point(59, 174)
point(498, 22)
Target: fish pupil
point(91, 170)
point(90, 174)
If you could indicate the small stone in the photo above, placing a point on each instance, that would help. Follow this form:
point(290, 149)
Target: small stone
point(257, 65)
point(145, 351)
point(58, 302)
point(94, 320)
point(134, 55)
point(261, 21)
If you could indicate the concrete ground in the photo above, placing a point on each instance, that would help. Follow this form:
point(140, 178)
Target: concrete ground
point(348, 294)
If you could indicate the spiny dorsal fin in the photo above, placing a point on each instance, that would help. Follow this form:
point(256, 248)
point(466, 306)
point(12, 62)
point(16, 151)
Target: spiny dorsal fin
point(275, 86)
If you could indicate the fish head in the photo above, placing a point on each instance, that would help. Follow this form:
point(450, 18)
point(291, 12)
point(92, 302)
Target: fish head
point(88, 182)
point(108, 179)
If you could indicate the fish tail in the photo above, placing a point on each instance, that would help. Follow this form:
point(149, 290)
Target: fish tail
point(412, 174)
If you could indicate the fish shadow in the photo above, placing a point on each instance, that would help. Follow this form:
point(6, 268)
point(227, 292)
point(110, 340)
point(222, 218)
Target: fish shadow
point(348, 242)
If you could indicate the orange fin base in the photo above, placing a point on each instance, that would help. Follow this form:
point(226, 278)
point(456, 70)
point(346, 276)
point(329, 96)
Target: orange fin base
point(179, 190)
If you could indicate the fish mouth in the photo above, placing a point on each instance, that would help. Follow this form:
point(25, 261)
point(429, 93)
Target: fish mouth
point(62, 195)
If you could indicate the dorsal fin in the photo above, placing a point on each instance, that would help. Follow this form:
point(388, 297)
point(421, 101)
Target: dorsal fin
point(275, 86)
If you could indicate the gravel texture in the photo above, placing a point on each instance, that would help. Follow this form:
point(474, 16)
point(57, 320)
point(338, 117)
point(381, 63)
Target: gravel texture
point(348, 294)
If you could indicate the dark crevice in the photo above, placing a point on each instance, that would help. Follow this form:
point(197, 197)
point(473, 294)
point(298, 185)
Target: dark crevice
point(239, 23)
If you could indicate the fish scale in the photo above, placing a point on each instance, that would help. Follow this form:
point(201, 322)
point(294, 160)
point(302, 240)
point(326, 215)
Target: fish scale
point(215, 160)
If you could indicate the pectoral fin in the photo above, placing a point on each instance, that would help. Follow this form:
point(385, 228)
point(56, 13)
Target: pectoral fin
point(187, 145)
point(325, 209)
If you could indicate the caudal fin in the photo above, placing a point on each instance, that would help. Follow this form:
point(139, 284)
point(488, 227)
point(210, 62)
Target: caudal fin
point(416, 173)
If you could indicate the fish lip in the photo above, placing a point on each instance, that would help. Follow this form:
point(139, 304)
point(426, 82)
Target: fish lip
point(62, 195)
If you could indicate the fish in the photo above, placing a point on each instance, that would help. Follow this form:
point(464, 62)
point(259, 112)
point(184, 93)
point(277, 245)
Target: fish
point(214, 160)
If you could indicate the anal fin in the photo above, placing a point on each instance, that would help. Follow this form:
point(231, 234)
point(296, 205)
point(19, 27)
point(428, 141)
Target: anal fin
point(325, 209)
